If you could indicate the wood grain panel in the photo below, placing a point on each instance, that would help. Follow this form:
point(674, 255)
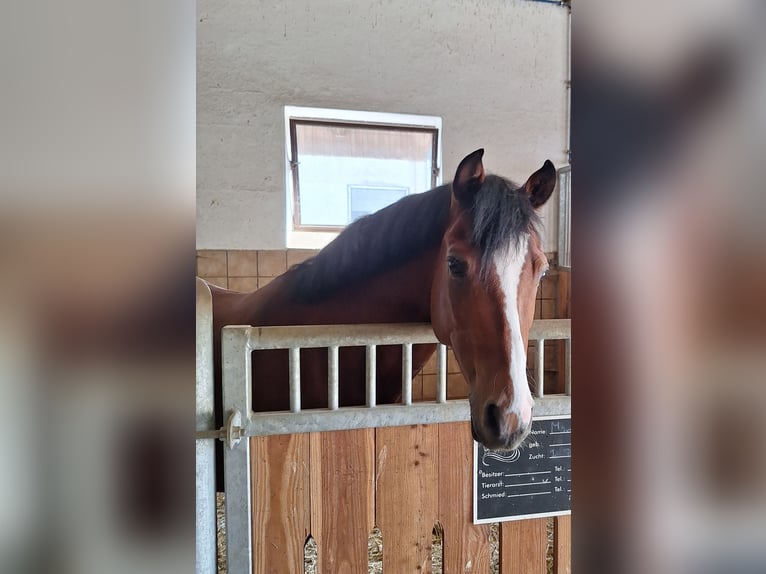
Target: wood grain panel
point(342, 498)
point(280, 502)
point(522, 546)
point(466, 545)
point(406, 495)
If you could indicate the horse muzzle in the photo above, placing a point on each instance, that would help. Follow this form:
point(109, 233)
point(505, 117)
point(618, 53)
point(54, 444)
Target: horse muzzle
point(500, 430)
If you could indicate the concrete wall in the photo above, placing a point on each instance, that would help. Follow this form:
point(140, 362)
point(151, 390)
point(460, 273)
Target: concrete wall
point(494, 70)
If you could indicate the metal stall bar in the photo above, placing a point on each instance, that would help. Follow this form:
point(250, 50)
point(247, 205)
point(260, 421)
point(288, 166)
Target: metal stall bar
point(550, 329)
point(317, 420)
point(407, 374)
point(540, 368)
point(205, 449)
point(336, 418)
point(371, 375)
point(332, 378)
point(265, 338)
point(441, 374)
point(373, 415)
point(237, 407)
point(295, 379)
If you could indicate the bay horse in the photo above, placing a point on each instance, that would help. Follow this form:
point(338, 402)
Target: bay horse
point(466, 257)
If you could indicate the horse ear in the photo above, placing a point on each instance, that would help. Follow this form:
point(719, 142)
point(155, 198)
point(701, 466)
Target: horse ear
point(468, 177)
point(540, 184)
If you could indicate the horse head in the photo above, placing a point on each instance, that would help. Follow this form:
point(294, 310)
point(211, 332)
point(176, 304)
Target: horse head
point(490, 264)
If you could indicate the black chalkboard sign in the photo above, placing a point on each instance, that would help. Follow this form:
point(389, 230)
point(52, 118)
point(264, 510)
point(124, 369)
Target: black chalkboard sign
point(531, 481)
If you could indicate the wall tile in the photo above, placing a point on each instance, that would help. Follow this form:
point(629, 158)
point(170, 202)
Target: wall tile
point(553, 383)
point(429, 387)
point(417, 388)
point(263, 281)
point(272, 263)
point(457, 388)
point(531, 355)
point(243, 284)
point(243, 263)
point(217, 281)
point(430, 367)
point(452, 364)
point(550, 286)
point(548, 309)
point(550, 359)
point(211, 263)
point(295, 256)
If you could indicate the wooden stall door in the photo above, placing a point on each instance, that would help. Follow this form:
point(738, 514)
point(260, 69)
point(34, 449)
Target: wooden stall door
point(337, 486)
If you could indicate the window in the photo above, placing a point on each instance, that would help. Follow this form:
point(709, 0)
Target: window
point(342, 165)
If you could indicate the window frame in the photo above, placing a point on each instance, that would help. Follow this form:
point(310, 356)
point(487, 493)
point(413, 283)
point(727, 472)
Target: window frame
point(316, 236)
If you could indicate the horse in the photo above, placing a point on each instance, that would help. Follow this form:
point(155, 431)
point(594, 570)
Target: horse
point(466, 257)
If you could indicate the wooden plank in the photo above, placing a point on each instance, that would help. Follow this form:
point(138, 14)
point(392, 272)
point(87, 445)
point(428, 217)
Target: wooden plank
point(562, 544)
point(522, 546)
point(342, 498)
point(280, 502)
point(466, 545)
point(406, 495)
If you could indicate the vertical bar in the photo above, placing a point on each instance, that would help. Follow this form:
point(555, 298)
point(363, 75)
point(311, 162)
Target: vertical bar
point(441, 373)
point(332, 377)
point(205, 448)
point(371, 373)
point(568, 367)
point(295, 379)
point(407, 373)
point(540, 367)
point(237, 383)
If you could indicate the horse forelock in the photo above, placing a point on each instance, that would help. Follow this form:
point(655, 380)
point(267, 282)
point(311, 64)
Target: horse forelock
point(502, 219)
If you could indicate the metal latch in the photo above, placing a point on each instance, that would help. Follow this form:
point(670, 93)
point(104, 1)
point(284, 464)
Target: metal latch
point(230, 434)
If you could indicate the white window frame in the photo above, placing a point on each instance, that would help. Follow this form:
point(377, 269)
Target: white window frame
point(302, 239)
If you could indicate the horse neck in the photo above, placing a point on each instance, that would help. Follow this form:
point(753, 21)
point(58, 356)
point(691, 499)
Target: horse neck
point(399, 295)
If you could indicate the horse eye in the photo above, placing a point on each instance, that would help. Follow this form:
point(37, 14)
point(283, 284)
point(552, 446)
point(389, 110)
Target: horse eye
point(457, 268)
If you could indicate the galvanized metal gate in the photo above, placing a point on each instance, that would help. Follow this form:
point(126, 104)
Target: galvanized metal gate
point(238, 342)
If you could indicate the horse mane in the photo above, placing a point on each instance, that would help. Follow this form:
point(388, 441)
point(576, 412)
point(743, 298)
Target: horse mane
point(373, 244)
point(395, 234)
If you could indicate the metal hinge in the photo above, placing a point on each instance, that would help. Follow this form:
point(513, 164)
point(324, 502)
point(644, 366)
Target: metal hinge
point(230, 434)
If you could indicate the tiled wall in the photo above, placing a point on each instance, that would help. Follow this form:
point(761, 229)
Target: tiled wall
point(247, 270)
point(250, 270)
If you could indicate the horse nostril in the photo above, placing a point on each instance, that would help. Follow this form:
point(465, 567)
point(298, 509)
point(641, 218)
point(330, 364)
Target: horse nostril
point(492, 420)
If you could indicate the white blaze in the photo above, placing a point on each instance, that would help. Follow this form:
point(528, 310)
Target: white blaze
point(508, 265)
